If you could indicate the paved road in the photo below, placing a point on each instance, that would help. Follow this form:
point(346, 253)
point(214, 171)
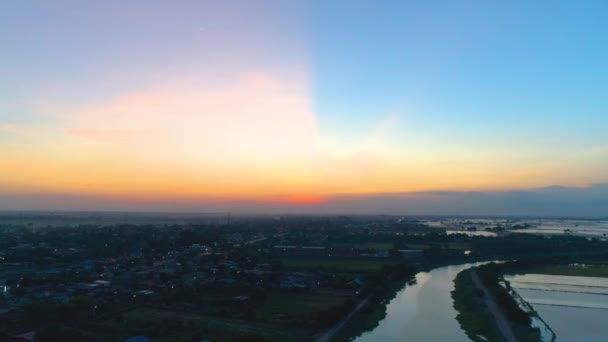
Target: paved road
point(501, 321)
point(330, 333)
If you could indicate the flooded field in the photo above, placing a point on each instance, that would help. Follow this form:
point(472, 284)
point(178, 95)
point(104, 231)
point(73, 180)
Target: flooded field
point(587, 228)
point(473, 233)
point(580, 227)
point(574, 307)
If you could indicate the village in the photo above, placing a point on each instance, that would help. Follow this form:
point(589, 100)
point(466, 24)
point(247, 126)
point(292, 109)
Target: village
point(244, 270)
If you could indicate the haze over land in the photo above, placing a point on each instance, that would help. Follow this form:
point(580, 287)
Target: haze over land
point(475, 108)
point(545, 202)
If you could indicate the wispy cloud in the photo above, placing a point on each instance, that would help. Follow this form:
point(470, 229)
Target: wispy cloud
point(256, 116)
point(108, 135)
point(6, 127)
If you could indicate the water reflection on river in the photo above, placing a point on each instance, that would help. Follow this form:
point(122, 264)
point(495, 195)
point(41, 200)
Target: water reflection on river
point(423, 311)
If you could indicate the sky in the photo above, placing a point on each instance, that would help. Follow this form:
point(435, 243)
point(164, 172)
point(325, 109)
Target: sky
point(320, 106)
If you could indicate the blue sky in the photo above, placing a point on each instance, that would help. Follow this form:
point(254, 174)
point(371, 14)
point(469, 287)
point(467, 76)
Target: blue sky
point(512, 68)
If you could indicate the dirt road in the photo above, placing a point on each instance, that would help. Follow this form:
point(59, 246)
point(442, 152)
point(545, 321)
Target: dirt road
point(501, 320)
point(330, 333)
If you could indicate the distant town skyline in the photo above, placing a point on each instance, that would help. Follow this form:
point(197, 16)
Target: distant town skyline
point(305, 106)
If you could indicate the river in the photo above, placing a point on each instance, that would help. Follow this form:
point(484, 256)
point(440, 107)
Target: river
point(423, 311)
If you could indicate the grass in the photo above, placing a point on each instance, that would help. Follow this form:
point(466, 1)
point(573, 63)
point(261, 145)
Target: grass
point(302, 306)
point(370, 315)
point(566, 270)
point(473, 315)
point(451, 245)
point(172, 325)
point(374, 245)
point(335, 263)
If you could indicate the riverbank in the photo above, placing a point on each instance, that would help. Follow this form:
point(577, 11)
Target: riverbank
point(501, 321)
point(372, 309)
point(486, 309)
point(413, 315)
point(535, 250)
point(474, 317)
point(370, 316)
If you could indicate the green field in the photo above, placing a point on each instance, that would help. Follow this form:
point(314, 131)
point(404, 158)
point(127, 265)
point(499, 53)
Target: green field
point(587, 271)
point(335, 263)
point(170, 325)
point(375, 245)
point(286, 306)
point(450, 245)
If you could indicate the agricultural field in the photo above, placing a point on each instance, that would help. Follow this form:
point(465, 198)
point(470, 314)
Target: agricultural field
point(335, 263)
point(448, 245)
point(587, 270)
point(374, 245)
point(284, 306)
point(170, 325)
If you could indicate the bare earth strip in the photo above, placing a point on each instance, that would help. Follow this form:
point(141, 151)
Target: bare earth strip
point(501, 321)
point(330, 333)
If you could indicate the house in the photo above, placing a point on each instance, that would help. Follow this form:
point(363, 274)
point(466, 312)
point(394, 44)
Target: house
point(410, 253)
point(291, 283)
point(296, 280)
point(104, 283)
point(29, 336)
point(300, 250)
point(138, 339)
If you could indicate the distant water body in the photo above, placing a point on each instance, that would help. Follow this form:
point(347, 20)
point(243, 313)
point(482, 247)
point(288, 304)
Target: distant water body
point(423, 311)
